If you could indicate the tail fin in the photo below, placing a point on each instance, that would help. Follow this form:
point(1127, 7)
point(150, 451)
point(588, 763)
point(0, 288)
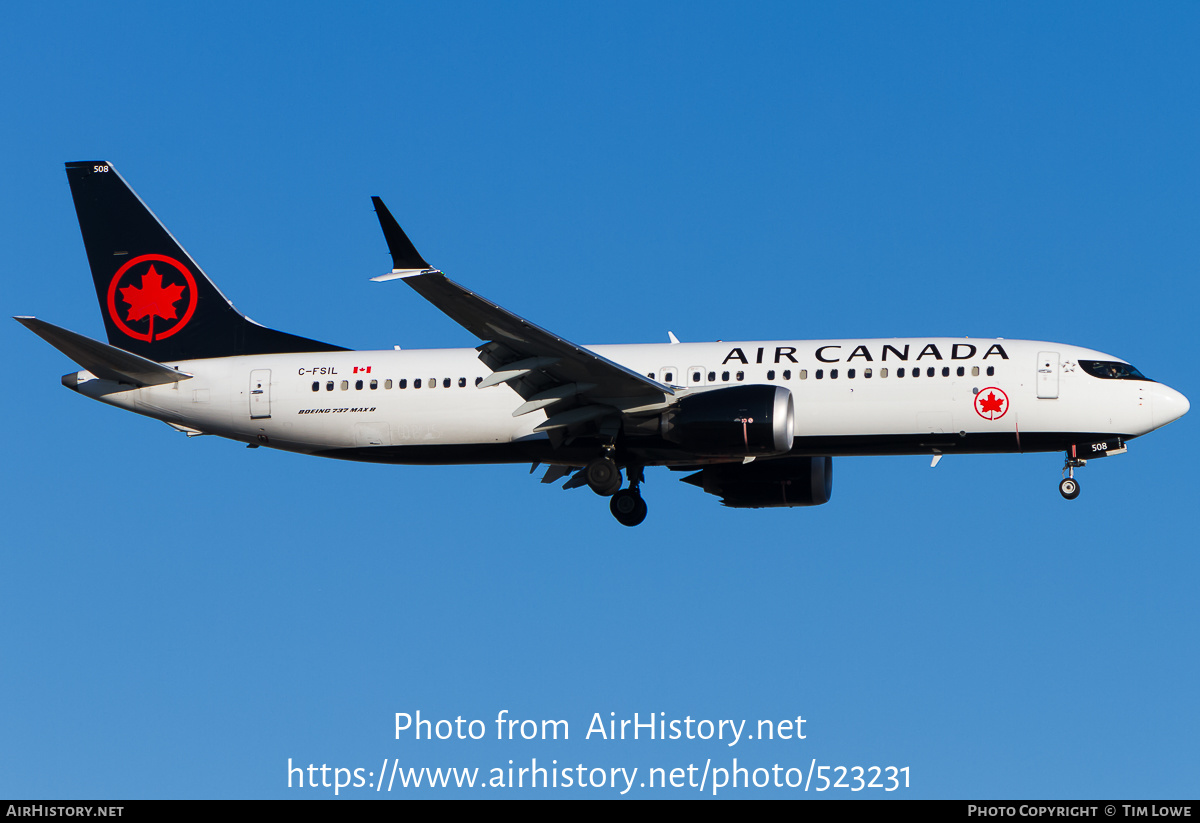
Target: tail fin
point(155, 300)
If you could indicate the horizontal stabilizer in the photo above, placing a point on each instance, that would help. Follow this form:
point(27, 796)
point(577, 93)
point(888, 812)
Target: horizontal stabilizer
point(105, 361)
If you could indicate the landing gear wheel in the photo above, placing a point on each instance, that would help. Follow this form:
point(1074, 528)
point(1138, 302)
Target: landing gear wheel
point(603, 476)
point(628, 507)
point(1069, 488)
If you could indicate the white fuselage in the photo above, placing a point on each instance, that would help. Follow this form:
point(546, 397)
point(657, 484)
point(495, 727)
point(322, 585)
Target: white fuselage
point(851, 397)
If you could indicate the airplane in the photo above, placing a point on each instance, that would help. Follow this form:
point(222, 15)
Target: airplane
point(756, 423)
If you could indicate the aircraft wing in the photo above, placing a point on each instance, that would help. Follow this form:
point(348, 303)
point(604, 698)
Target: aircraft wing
point(575, 385)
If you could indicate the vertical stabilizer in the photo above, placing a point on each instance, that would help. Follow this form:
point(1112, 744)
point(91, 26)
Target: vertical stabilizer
point(156, 302)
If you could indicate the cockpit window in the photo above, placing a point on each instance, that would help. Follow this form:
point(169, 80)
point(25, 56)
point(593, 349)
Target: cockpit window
point(1111, 370)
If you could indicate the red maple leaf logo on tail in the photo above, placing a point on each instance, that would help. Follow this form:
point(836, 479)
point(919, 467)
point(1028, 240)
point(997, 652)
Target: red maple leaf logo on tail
point(152, 299)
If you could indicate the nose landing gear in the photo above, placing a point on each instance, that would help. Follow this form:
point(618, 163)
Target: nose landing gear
point(1069, 487)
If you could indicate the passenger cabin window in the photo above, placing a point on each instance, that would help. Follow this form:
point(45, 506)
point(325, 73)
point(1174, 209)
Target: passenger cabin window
point(316, 385)
point(787, 374)
point(850, 373)
point(478, 380)
point(741, 376)
point(329, 386)
point(883, 372)
point(462, 382)
point(417, 383)
point(974, 371)
point(820, 373)
point(900, 372)
point(374, 385)
point(358, 385)
point(725, 376)
point(991, 371)
point(345, 385)
point(866, 372)
point(446, 382)
point(771, 374)
point(387, 384)
point(696, 377)
point(803, 375)
point(961, 371)
point(712, 377)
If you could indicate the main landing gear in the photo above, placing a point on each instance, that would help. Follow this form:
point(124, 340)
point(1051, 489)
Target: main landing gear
point(1069, 487)
point(602, 475)
point(604, 478)
point(628, 507)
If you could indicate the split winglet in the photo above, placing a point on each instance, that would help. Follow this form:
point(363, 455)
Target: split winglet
point(406, 260)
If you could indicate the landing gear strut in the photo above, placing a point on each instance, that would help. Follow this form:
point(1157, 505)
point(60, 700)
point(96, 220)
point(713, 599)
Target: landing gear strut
point(1069, 487)
point(627, 505)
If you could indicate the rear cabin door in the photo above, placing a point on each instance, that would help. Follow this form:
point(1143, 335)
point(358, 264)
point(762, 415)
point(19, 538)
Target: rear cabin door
point(1047, 375)
point(260, 394)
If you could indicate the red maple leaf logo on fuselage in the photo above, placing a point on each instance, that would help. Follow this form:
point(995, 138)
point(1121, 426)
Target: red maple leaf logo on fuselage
point(991, 403)
point(152, 299)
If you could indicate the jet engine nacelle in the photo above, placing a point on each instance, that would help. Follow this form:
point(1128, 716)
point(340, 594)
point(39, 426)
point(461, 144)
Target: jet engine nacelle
point(790, 481)
point(738, 420)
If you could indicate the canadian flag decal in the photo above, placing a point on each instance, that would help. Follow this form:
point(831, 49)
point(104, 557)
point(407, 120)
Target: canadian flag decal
point(358, 369)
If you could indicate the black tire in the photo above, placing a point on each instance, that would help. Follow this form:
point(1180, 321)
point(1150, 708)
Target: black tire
point(1069, 488)
point(628, 507)
point(603, 476)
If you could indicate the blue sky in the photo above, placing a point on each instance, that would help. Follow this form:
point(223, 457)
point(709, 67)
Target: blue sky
point(181, 616)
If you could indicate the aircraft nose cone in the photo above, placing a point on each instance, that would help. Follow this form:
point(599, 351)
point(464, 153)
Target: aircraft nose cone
point(1168, 405)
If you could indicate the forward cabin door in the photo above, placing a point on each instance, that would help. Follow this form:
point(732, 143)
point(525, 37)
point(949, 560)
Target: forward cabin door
point(260, 394)
point(1047, 375)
